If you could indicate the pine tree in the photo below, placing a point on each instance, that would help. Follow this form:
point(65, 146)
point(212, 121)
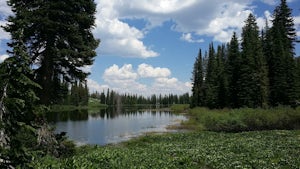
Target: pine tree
point(57, 37)
point(153, 99)
point(222, 79)
point(233, 71)
point(266, 39)
point(108, 97)
point(297, 79)
point(281, 60)
point(197, 82)
point(19, 110)
point(112, 98)
point(211, 84)
point(254, 79)
point(80, 93)
point(74, 96)
point(102, 98)
point(85, 100)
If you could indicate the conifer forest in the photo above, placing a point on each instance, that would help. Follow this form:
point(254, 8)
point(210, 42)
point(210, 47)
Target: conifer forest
point(242, 111)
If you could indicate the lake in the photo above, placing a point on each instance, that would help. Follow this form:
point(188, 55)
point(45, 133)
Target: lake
point(111, 125)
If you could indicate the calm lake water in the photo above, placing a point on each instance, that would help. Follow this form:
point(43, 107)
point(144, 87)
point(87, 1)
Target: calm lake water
point(111, 125)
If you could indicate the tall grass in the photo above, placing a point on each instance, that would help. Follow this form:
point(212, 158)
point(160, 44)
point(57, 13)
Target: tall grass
point(180, 108)
point(246, 119)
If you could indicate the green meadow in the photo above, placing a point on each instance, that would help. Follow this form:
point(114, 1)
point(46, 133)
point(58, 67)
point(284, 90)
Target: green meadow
point(239, 138)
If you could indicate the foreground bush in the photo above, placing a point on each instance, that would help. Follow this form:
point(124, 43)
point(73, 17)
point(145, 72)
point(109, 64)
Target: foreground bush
point(246, 119)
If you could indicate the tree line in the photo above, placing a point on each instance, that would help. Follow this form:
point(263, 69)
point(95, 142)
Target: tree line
point(76, 94)
point(112, 98)
point(259, 70)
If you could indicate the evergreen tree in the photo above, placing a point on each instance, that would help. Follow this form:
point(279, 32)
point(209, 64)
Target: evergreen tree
point(153, 99)
point(222, 86)
point(85, 95)
point(211, 84)
point(19, 111)
point(102, 98)
point(184, 99)
point(233, 69)
point(79, 94)
point(74, 95)
point(112, 98)
point(254, 79)
point(297, 79)
point(57, 37)
point(197, 82)
point(281, 61)
point(266, 39)
point(108, 97)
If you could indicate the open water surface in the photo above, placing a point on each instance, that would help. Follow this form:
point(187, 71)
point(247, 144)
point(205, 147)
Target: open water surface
point(111, 125)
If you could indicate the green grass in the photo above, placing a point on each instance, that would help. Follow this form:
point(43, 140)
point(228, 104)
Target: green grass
point(180, 108)
point(244, 119)
point(95, 103)
point(264, 149)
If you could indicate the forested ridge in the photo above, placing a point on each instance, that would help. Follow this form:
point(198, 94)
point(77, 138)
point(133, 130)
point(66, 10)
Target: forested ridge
point(259, 69)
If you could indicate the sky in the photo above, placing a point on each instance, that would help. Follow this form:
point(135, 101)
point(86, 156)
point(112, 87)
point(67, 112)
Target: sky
point(149, 46)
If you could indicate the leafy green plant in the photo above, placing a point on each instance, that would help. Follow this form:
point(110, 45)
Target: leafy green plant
point(264, 149)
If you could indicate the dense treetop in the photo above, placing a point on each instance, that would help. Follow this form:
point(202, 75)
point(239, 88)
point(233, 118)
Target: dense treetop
point(260, 71)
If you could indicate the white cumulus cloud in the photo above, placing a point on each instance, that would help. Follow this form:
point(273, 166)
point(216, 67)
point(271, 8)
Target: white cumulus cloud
point(169, 85)
point(297, 25)
point(3, 34)
point(188, 37)
point(117, 37)
point(95, 86)
point(115, 75)
point(165, 82)
point(3, 57)
point(5, 11)
point(192, 18)
point(123, 79)
point(145, 70)
point(126, 79)
point(269, 2)
point(274, 2)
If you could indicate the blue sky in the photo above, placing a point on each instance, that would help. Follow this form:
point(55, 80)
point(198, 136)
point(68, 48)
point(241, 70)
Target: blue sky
point(149, 46)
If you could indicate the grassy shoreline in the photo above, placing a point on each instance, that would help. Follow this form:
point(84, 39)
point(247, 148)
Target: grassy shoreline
point(244, 119)
point(199, 148)
point(92, 104)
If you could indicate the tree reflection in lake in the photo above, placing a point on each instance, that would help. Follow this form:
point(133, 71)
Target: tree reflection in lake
point(75, 115)
point(111, 125)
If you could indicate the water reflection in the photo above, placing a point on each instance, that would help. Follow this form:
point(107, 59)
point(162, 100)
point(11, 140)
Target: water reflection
point(106, 113)
point(111, 125)
point(75, 115)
